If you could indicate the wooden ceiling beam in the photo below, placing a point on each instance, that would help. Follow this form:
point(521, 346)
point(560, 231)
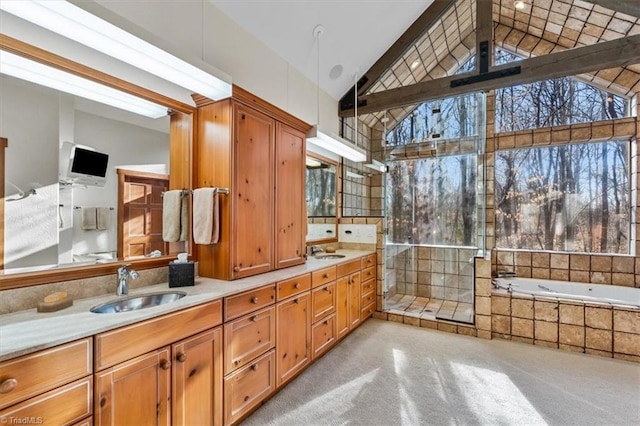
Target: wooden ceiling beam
point(630, 7)
point(610, 54)
point(397, 49)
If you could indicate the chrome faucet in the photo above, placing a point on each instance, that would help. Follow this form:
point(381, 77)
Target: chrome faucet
point(315, 250)
point(123, 279)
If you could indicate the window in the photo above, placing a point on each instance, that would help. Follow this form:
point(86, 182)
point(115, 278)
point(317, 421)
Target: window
point(574, 197)
point(555, 102)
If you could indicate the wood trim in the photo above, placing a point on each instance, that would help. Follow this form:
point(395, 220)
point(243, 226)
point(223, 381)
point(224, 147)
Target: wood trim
point(484, 31)
point(419, 26)
point(259, 104)
point(26, 50)
point(4, 143)
point(610, 54)
point(630, 7)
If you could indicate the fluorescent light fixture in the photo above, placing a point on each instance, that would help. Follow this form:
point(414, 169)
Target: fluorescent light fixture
point(81, 26)
point(38, 73)
point(377, 166)
point(354, 175)
point(336, 144)
point(313, 163)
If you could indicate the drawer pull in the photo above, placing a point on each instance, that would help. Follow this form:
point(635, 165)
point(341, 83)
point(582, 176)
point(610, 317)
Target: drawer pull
point(254, 300)
point(165, 364)
point(327, 289)
point(254, 318)
point(325, 276)
point(296, 285)
point(8, 385)
point(296, 301)
point(182, 357)
point(254, 367)
point(236, 269)
point(326, 322)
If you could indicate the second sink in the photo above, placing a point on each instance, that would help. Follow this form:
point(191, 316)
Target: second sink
point(134, 303)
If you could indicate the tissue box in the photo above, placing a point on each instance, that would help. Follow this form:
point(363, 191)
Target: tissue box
point(181, 274)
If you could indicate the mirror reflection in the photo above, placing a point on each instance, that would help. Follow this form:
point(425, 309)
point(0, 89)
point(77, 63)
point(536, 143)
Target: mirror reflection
point(68, 162)
point(321, 199)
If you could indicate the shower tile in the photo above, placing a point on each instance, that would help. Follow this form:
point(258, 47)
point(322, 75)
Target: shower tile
point(451, 255)
point(424, 278)
point(571, 314)
point(540, 260)
point(418, 305)
point(483, 269)
point(600, 278)
point(483, 322)
point(424, 265)
point(579, 262)
point(424, 290)
point(505, 260)
point(546, 311)
point(483, 287)
point(579, 276)
point(627, 280)
point(540, 273)
point(437, 266)
point(547, 331)
point(523, 258)
point(466, 330)
point(483, 305)
point(429, 323)
point(451, 281)
point(465, 296)
point(451, 267)
point(559, 261)
point(601, 318)
point(571, 335)
point(395, 317)
point(523, 271)
point(437, 292)
point(625, 265)
point(449, 328)
point(411, 320)
point(599, 339)
point(601, 263)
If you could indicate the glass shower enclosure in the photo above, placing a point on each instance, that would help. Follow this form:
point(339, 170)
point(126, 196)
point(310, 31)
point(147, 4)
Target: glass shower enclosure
point(435, 209)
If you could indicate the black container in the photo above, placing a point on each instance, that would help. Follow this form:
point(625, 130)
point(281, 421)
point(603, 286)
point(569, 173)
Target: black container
point(181, 274)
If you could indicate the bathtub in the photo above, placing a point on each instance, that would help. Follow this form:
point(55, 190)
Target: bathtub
point(588, 293)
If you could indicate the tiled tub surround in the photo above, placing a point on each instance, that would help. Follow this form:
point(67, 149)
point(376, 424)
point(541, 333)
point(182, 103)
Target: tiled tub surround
point(28, 331)
point(589, 327)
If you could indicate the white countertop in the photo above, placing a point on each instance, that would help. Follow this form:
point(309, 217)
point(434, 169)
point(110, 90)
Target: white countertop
point(29, 331)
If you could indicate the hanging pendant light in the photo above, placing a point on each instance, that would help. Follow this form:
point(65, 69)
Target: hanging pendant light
point(331, 143)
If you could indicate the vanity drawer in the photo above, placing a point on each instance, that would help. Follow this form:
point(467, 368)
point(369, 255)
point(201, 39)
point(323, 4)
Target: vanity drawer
point(348, 268)
point(323, 301)
point(368, 261)
point(367, 311)
point(122, 344)
point(323, 276)
point(293, 286)
point(62, 406)
point(368, 298)
point(368, 274)
point(248, 337)
point(30, 375)
point(248, 387)
point(323, 335)
point(249, 301)
point(368, 286)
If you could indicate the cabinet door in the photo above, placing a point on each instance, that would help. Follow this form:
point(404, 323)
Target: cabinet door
point(290, 204)
point(252, 213)
point(248, 337)
point(354, 300)
point(135, 392)
point(197, 379)
point(293, 346)
point(323, 301)
point(342, 306)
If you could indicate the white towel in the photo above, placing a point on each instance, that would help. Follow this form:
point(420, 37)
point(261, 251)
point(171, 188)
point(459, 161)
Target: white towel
point(89, 217)
point(205, 216)
point(184, 219)
point(103, 218)
point(171, 214)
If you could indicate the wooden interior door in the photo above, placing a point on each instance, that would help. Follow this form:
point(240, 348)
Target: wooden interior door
point(140, 213)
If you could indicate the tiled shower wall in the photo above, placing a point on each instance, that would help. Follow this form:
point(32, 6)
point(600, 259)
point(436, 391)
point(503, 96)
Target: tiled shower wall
point(434, 272)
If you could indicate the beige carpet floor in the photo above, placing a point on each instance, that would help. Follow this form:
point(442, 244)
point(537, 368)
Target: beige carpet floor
point(386, 373)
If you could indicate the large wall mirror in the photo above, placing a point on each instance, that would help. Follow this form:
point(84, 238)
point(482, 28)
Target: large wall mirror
point(321, 193)
point(56, 229)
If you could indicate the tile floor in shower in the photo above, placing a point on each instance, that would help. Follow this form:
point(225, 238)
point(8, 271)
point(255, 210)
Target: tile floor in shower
point(427, 308)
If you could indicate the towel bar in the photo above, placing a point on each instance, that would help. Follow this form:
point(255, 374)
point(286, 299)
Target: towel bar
point(79, 207)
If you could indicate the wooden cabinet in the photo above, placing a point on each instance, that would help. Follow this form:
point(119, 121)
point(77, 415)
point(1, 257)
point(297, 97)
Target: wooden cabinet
point(157, 371)
point(54, 385)
point(136, 392)
point(293, 345)
point(348, 297)
point(196, 385)
point(258, 152)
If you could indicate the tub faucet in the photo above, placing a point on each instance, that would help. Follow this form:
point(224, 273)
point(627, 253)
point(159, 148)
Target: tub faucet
point(123, 279)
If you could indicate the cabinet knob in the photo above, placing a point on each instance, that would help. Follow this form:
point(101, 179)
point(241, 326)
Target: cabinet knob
point(8, 385)
point(181, 357)
point(254, 300)
point(165, 364)
point(254, 318)
point(296, 285)
point(325, 276)
point(327, 289)
point(254, 367)
point(296, 301)
point(236, 269)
